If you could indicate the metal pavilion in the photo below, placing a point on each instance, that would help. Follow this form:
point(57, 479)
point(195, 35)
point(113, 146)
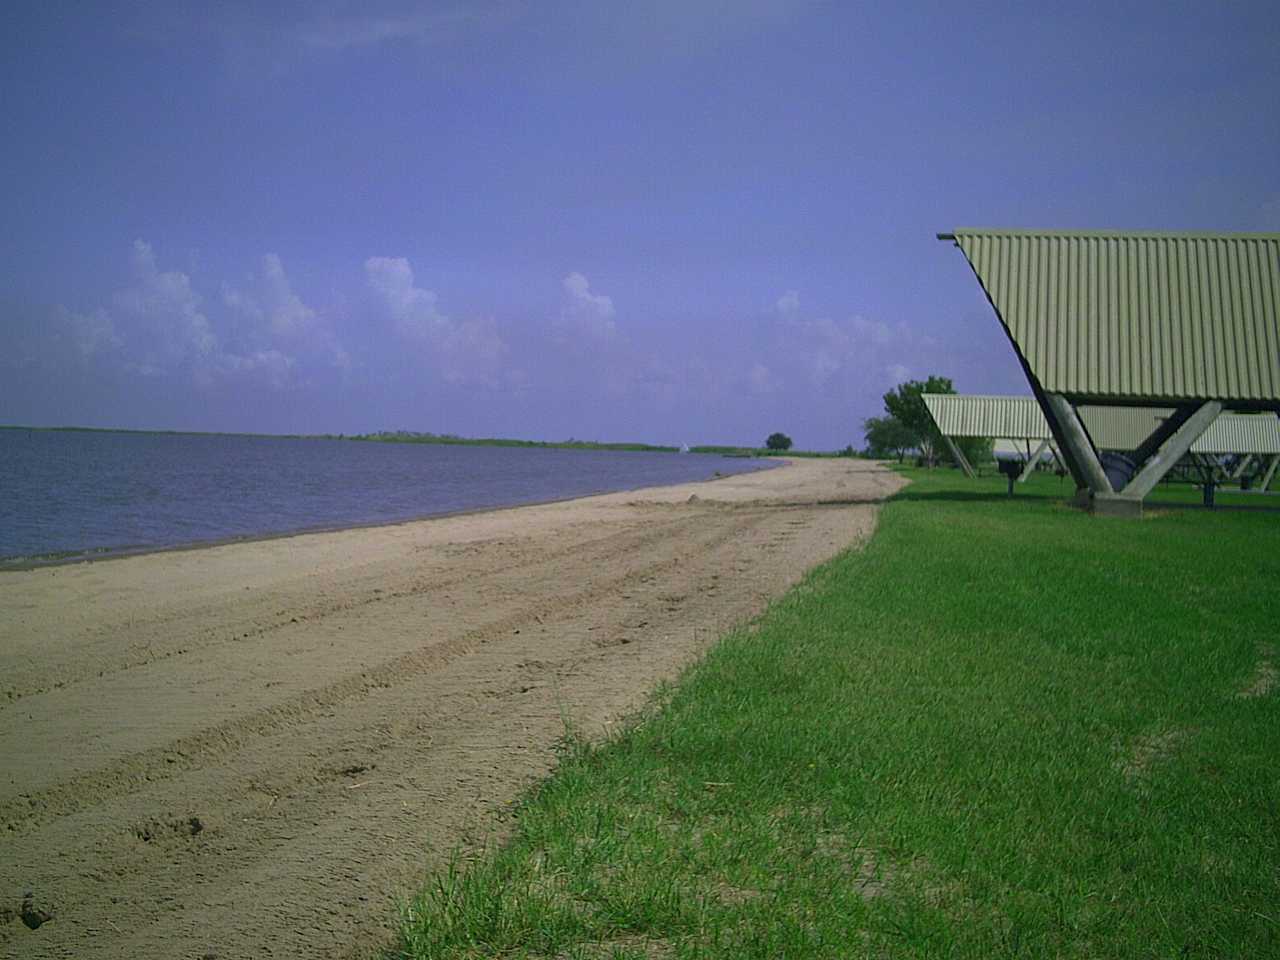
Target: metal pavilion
point(1184, 321)
point(1115, 429)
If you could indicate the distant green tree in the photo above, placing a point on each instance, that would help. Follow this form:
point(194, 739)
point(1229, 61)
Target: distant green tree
point(778, 441)
point(906, 404)
point(887, 437)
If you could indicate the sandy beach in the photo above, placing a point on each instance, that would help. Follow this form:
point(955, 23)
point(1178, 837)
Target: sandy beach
point(253, 749)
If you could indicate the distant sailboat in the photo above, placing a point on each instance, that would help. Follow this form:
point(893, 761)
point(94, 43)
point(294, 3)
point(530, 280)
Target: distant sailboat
point(684, 448)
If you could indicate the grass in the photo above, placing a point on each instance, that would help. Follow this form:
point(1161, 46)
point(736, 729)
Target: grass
point(1004, 729)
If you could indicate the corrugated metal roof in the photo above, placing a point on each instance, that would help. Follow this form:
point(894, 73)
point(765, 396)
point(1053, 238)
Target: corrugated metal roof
point(969, 415)
point(1110, 428)
point(1124, 428)
point(1144, 316)
point(1241, 433)
point(1121, 428)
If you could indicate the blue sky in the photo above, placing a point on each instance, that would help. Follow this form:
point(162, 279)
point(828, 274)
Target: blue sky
point(669, 221)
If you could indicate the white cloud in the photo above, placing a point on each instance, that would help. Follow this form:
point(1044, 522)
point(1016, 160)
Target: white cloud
point(157, 326)
point(270, 365)
point(165, 316)
point(435, 25)
point(277, 317)
point(412, 308)
point(898, 373)
point(826, 350)
point(471, 351)
point(286, 312)
point(583, 314)
point(92, 333)
point(877, 331)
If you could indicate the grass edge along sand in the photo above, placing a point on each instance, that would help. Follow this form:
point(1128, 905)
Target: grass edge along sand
point(1004, 728)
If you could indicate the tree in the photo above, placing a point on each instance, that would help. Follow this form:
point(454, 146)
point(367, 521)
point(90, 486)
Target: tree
point(778, 441)
point(887, 437)
point(906, 405)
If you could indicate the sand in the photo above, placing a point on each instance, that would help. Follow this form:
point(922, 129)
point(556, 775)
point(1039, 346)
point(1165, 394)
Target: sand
point(254, 749)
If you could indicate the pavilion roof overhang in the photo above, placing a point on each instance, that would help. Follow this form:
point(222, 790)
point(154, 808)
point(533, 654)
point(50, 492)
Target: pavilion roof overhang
point(1141, 319)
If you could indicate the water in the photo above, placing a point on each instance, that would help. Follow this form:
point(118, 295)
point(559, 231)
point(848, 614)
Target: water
point(66, 493)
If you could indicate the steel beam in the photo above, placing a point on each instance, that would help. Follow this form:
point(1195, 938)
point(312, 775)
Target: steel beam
point(961, 461)
point(1172, 450)
point(1238, 472)
point(1271, 472)
point(1032, 460)
point(1162, 433)
point(1075, 444)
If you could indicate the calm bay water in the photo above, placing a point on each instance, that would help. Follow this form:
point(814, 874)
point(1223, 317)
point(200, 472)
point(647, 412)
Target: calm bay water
point(70, 492)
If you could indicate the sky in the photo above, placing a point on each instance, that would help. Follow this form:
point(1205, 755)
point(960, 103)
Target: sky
point(677, 221)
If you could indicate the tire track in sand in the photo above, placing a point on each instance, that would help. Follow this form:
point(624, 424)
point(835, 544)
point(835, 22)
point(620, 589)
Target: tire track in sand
point(181, 755)
point(142, 651)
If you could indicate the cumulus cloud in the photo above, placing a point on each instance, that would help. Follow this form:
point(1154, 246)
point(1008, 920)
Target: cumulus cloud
point(272, 366)
point(471, 351)
point(274, 301)
point(91, 333)
point(825, 349)
point(165, 316)
point(276, 319)
point(585, 315)
point(412, 308)
point(158, 325)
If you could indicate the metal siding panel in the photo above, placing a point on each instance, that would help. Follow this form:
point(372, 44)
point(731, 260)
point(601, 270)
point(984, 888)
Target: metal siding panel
point(1143, 316)
point(1121, 428)
point(1241, 433)
point(1014, 418)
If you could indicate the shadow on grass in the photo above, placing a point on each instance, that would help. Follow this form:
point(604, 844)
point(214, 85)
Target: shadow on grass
point(988, 496)
point(976, 496)
point(1216, 508)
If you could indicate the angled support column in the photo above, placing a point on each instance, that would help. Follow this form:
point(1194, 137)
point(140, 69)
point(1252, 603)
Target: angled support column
point(1074, 440)
point(1238, 472)
point(1167, 429)
point(959, 456)
point(1057, 457)
point(1032, 461)
point(1172, 450)
point(1271, 472)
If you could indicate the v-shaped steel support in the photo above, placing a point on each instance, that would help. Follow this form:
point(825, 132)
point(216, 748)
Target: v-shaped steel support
point(1032, 460)
point(1271, 472)
point(1075, 444)
point(1172, 450)
point(961, 461)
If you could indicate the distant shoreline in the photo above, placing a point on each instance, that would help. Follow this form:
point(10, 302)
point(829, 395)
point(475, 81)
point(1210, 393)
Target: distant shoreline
point(412, 437)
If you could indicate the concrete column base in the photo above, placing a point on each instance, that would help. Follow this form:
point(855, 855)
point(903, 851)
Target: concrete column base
point(1116, 507)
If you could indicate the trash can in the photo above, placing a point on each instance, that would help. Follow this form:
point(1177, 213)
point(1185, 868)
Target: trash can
point(1119, 469)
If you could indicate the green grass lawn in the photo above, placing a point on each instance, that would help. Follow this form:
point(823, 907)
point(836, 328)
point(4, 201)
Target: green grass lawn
point(1005, 728)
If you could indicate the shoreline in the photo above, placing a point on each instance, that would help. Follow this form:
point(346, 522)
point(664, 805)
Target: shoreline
point(105, 554)
point(258, 747)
